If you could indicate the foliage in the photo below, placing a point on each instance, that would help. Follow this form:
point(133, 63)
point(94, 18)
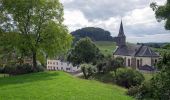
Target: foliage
point(14, 69)
point(141, 92)
point(166, 46)
point(161, 84)
point(52, 85)
point(164, 61)
point(162, 12)
point(95, 34)
point(100, 66)
point(157, 88)
point(128, 77)
point(114, 63)
point(104, 77)
point(88, 70)
point(38, 26)
point(85, 51)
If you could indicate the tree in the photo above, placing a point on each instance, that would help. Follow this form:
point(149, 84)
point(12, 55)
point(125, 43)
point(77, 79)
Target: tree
point(38, 23)
point(115, 63)
point(128, 77)
point(85, 51)
point(88, 70)
point(162, 12)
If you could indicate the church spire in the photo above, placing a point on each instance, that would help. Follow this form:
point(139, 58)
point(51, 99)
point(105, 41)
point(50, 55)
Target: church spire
point(121, 38)
point(121, 31)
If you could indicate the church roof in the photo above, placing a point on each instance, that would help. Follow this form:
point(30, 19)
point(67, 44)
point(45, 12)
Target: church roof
point(135, 50)
point(121, 30)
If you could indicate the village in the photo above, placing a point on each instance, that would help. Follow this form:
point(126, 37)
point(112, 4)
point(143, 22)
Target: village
point(84, 50)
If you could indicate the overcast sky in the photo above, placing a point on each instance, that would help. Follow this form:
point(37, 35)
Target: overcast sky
point(138, 18)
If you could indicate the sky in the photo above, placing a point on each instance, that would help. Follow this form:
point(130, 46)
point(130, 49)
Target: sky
point(140, 24)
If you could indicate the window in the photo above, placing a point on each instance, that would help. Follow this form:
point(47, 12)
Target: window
point(61, 68)
point(61, 63)
point(67, 68)
point(56, 63)
point(156, 61)
point(128, 62)
point(53, 63)
point(138, 63)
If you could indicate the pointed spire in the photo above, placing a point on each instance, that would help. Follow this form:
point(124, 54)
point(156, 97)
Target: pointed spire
point(121, 31)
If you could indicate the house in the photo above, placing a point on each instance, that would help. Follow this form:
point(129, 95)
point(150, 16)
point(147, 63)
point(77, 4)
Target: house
point(139, 57)
point(61, 65)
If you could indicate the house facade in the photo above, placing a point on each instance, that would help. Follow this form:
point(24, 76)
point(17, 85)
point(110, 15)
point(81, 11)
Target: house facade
point(139, 57)
point(61, 65)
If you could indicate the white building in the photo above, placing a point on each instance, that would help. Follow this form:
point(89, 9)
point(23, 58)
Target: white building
point(60, 65)
point(139, 57)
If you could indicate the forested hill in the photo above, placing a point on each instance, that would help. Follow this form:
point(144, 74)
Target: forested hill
point(96, 34)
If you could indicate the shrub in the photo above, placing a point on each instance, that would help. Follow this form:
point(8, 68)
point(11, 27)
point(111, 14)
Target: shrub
point(128, 77)
point(88, 70)
point(20, 69)
point(133, 91)
point(1, 69)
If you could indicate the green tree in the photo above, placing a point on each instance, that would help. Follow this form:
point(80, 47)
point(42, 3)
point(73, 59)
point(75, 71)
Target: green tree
point(38, 24)
point(128, 77)
point(85, 51)
point(162, 12)
point(115, 63)
point(88, 70)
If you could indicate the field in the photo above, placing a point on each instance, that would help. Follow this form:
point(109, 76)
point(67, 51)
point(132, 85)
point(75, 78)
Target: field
point(57, 86)
point(106, 47)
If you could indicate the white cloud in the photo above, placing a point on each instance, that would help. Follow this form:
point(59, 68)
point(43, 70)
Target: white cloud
point(139, 20)
point(144, 16)
point(75, 19)
point(150, 38)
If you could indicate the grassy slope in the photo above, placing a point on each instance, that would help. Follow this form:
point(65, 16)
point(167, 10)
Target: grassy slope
point(106, 47)
point(57, 86)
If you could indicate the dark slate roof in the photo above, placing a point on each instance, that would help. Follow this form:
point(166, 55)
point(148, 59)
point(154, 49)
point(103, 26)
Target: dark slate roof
point(121, 31)
point(135, 50)
point(145, 51)
point(146, 68)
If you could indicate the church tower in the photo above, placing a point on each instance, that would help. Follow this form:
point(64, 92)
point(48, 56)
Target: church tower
point(121, 38)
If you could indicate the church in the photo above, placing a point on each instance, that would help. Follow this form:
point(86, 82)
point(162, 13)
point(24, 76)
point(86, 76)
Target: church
point(139, 57)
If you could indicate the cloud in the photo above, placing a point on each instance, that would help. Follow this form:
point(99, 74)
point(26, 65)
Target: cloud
point(138, 18)
point(150, 38)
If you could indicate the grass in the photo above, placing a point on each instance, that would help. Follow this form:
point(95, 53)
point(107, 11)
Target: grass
point(57, 86)
point(106, 47)
point(4, 75)
point(148, 76)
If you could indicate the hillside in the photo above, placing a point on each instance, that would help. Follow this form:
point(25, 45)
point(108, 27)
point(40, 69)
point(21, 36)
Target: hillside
point(57, 86)
point(96, 34)
point(106, 47)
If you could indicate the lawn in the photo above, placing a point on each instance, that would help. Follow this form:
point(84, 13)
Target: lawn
point(148, 76)
point(57, 86)
point(106, 47)
point(4, 75)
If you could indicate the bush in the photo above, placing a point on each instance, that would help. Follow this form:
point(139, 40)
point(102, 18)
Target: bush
point(88, 70)
point(20, 69)
point(1, 69)
point(128, 77)
point(133, 91)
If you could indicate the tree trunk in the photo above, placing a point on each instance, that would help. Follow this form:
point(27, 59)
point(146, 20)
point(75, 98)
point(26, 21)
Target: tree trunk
point(34, 59)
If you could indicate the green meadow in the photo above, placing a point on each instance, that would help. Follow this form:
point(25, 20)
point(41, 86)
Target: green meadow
point(57, 86)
